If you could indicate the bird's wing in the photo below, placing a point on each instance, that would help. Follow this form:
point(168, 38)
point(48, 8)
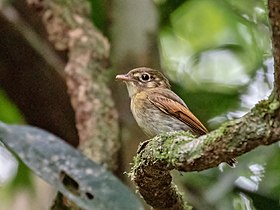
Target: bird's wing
point(169, 103)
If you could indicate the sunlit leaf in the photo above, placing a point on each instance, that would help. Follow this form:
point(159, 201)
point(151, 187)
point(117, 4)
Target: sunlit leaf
point(209, 45)
point(93, 187)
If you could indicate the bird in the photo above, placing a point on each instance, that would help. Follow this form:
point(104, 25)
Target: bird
point(156, 108)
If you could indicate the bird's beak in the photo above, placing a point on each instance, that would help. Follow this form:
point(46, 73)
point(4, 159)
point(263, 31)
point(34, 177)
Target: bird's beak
point(123, 77)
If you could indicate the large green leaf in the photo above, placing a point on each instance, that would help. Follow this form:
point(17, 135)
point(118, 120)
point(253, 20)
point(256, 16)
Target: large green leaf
point(93, 187)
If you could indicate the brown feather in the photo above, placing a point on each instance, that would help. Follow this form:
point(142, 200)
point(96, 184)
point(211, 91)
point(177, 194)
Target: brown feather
point(169, 103)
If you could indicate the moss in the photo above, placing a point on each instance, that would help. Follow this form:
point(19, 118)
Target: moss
point(167, 146)
point(267, 106)
point(164, 148)
point(274, 105)
point(137, 162)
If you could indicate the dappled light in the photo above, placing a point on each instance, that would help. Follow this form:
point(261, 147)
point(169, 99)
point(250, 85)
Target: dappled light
point(210, 46)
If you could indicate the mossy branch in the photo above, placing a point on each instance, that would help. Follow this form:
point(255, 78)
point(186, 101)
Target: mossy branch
point(183, 152)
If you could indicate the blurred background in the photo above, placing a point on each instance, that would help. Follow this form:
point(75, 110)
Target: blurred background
point(217, 55)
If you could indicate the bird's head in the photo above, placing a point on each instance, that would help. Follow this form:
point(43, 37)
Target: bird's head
point(143, 78)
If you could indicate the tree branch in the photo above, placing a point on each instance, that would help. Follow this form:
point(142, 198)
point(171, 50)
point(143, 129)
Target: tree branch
point(70, 29)
point(184, 152)
point(274, 16)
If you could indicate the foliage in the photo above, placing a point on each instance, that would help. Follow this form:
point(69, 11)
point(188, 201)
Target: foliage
point(217, 54)
point(86, 183)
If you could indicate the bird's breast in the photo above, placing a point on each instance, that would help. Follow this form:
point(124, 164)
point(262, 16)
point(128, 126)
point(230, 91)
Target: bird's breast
point(152, 120)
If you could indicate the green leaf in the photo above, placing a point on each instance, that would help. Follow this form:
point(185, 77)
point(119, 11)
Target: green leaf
point(98, 14)
point(92, 186)
point(8, 111)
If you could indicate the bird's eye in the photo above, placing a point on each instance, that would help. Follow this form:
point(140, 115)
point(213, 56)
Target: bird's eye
point(145, 77)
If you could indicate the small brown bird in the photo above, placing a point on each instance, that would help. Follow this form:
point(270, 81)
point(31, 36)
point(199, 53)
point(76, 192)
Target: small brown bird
point(155, 107)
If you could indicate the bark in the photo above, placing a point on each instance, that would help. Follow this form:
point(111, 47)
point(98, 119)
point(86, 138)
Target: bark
point(183, 152)
point(274, 16)
point(70, 29)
